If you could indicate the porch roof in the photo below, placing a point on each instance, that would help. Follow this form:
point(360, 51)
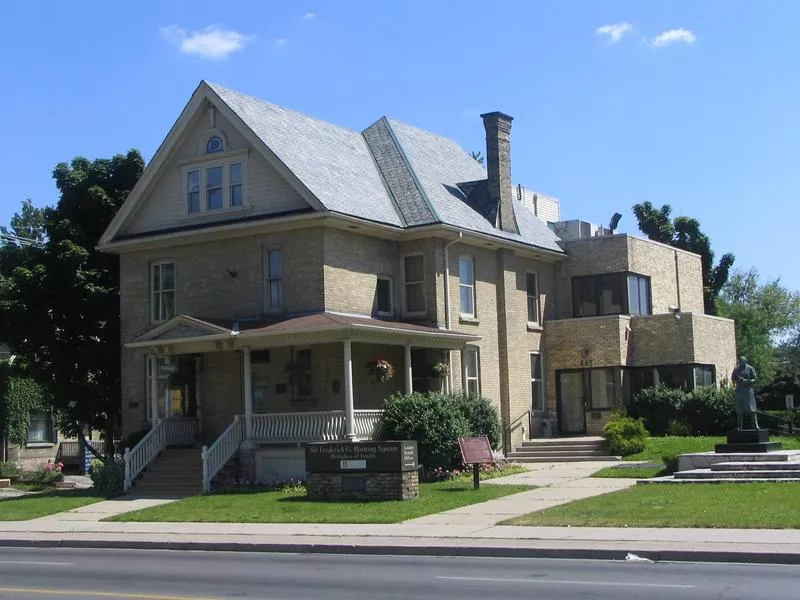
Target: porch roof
point(185, 333)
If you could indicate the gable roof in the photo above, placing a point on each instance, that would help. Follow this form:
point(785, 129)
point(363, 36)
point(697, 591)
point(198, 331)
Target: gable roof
point(391, 173)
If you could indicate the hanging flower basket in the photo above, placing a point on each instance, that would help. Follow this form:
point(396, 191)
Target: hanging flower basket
point(380, 370)
point(440, 369)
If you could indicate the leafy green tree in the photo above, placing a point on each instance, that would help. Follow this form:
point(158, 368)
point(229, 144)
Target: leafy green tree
point(477, 156)
point(59, 302)
point(685, 233)
point(27, 226)
point(764, 313)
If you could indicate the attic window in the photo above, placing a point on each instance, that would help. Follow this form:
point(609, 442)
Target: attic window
point(214, 144)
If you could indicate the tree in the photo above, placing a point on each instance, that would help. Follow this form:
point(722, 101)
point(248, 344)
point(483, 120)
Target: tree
point(477, 156)
point(685, 233)
point(764, 313)
point(27, 226)
point(59, 303)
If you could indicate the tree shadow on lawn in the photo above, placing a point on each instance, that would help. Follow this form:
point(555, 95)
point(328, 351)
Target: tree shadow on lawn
point(52, 493)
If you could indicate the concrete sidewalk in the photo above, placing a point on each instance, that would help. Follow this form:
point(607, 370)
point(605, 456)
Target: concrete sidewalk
point(465, 531)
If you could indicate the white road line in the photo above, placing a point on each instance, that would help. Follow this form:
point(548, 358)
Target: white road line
point(30, 562)
point(568, 582)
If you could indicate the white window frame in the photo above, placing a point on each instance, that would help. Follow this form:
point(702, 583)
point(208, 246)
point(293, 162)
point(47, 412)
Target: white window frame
point(269, 278)
point(221, 159)
point(536, 297)
point(421, 283)
point(158, 318)
point(539, 382)
point(465, 372)
point(470, 286)
point(391, 297)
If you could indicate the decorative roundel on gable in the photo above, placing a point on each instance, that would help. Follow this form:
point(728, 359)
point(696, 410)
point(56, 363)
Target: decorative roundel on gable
point(214, 144)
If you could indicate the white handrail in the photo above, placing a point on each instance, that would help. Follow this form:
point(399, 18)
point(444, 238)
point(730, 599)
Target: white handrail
point(221, 451)
point(144, 452)
point(179, 431)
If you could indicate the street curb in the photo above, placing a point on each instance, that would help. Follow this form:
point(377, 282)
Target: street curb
point(712, 556)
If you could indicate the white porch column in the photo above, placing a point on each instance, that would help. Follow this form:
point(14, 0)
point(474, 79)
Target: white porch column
point(409, 372)
point(153, 389)
point(349, 411)
point(197, 394)
point(248, 395)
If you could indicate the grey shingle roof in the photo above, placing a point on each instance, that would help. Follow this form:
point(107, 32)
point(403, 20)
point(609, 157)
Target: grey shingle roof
point(441, 165)
point(333, 162)
point(391, 173)
point(398, 175)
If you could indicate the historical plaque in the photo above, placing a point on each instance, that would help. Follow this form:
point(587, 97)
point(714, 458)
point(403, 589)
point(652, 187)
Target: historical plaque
point(361, 457)
point(476, 451)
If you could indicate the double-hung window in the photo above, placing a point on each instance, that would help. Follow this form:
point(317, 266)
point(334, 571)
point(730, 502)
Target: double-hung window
point(40, 429)
point(162, 291)
point(466, 280)
point(414, 279)
point(274, 273)
point(471, 371)
point(532, 290)
point(215, 186)
point(537, 383)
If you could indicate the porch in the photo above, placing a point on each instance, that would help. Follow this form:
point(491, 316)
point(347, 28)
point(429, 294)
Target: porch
point(260, 391)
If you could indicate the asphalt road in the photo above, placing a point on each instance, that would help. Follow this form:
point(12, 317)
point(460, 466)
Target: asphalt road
point(162, 575)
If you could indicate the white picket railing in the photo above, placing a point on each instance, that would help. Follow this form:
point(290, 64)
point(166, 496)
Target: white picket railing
point(221, 451)
point(367, 424)
point(180, 431)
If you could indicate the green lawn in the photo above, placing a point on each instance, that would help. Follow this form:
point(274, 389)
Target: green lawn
point(293, 507)
point(22, 508)
point(721, 505)
point(659, 446)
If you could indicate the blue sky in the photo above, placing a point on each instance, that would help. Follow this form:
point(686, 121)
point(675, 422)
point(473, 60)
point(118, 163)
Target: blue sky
point(690, 103)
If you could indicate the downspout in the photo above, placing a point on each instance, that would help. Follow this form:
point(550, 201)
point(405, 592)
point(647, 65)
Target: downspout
point(448, 324)
point(677, 280)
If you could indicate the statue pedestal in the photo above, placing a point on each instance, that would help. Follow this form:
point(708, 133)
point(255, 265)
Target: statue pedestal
point(747, 440)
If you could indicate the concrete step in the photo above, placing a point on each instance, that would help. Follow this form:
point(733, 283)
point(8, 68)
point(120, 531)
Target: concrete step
point(553, 455)
point(559, 447)
point(561, 443)
point(550, 459)
point(558, 450)
point(728, 475)
point(672, 481)
point(756, 466)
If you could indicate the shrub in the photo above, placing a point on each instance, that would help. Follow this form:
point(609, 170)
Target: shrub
point(624, 435)
point(709, 410)
point(108, 476)
point(679, 428)
point(48, 475)
point(670, 463)
point(481, 415)
point(657, 406)
point(436, 421)
point(8, 470)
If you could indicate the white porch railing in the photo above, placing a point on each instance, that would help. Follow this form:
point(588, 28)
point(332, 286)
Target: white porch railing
point(167, 432)
point(221, 451)
point(319, 426)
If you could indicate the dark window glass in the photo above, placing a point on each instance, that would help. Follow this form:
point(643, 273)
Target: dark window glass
point(384, 296)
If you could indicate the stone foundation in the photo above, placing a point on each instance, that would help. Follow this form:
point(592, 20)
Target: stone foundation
point(363, 486)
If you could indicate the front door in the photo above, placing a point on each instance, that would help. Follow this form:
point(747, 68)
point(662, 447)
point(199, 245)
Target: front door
point(571, 402)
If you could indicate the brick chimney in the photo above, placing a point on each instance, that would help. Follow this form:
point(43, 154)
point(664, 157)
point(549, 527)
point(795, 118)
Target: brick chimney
point(498, 164)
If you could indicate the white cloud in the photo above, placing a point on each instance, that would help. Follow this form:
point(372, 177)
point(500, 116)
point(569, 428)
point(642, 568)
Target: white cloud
point(615, 31)
point(674, 36)
point(308, 16)
point(213, 42)
point(280, 42)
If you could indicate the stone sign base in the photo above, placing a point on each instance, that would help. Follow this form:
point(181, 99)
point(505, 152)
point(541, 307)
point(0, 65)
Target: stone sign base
point(747, 440)
point(363, 486)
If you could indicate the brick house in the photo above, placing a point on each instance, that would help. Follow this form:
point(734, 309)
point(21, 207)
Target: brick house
point(269, 259)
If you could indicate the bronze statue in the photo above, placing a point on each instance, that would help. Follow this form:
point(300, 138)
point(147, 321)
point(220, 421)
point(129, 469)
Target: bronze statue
point(744, 377)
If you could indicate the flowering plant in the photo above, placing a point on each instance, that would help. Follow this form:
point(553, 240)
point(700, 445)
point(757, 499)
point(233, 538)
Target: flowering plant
point(440, 369)
point(381, 370)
